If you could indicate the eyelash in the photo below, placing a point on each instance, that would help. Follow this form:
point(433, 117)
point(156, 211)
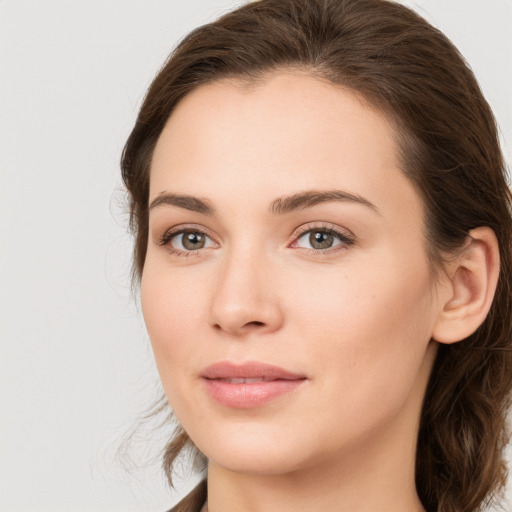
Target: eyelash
point(167, 237)
point(346, 239)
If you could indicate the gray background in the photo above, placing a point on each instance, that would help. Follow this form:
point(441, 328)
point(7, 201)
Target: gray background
point(75, 363)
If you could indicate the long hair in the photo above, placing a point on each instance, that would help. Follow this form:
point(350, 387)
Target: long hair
point(449, 148)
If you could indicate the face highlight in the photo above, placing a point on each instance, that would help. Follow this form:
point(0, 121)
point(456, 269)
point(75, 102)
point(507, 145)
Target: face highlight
point(283, 233)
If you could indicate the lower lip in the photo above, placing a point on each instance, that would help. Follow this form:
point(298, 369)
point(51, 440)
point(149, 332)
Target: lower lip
point(249, 395)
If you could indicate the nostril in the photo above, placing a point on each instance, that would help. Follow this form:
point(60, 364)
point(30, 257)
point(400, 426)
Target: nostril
point(255, 323)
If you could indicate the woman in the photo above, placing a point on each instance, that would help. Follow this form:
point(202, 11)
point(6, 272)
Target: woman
point(323, 242)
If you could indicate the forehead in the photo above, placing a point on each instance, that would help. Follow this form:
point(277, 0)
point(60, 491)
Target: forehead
point(283, 134)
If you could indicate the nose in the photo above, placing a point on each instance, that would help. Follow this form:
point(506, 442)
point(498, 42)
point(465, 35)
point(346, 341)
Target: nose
point(246, 297)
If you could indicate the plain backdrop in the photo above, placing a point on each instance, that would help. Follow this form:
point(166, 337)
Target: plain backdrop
point(76, 368)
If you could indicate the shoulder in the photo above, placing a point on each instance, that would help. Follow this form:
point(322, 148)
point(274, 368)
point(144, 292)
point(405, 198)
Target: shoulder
point(193, 501)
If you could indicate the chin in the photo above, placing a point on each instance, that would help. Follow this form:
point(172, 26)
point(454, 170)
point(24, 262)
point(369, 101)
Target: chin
point(250, 463)
point(254, 455)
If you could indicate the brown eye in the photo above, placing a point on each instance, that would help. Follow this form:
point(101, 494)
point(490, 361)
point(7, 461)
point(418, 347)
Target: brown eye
point(321, 239)
point(189, 240)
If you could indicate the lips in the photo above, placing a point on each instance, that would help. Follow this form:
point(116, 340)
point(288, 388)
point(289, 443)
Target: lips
point(243, 380)
point(252, 370)
point(248, 385)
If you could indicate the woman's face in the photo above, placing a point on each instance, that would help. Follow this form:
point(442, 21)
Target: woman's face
point(283, 233)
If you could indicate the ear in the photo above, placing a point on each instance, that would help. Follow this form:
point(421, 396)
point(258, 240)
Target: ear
point(471, 283)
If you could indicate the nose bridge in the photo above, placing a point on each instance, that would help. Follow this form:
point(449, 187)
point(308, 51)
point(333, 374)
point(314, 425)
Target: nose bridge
point(245, 298)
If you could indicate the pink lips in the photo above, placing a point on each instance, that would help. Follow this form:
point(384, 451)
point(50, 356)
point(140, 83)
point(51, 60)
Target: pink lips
point(248, 385)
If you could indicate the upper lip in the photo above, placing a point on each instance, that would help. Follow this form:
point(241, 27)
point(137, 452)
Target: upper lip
point(249, 370)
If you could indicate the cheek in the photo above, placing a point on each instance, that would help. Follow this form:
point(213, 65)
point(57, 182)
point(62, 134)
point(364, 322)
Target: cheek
point(172, 309)
point(368, 330)
point(363, 302)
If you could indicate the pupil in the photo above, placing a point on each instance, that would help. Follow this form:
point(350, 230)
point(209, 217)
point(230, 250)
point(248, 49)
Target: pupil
point(320, 240)
point(193, 241)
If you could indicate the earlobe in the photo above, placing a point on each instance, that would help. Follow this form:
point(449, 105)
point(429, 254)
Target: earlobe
point(472, 281)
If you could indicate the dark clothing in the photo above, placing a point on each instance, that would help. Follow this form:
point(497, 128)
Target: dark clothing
point(194, 501)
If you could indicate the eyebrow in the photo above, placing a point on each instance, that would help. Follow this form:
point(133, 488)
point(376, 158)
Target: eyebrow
point(195, 204)
point(309, 198)
point(279, 206)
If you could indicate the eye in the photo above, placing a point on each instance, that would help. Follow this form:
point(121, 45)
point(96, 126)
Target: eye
point(187, 240)
point(322, 239)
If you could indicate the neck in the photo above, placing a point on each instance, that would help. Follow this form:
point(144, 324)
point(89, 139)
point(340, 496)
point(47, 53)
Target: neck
point(358, 484)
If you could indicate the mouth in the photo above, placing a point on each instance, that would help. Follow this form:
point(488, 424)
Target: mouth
point(251, 370)
point(249, 385)
point(243, 380)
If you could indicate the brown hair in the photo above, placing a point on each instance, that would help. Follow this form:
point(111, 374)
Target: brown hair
point(450, 151)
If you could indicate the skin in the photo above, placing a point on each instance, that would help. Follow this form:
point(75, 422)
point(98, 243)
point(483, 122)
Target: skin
point(356, 319)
